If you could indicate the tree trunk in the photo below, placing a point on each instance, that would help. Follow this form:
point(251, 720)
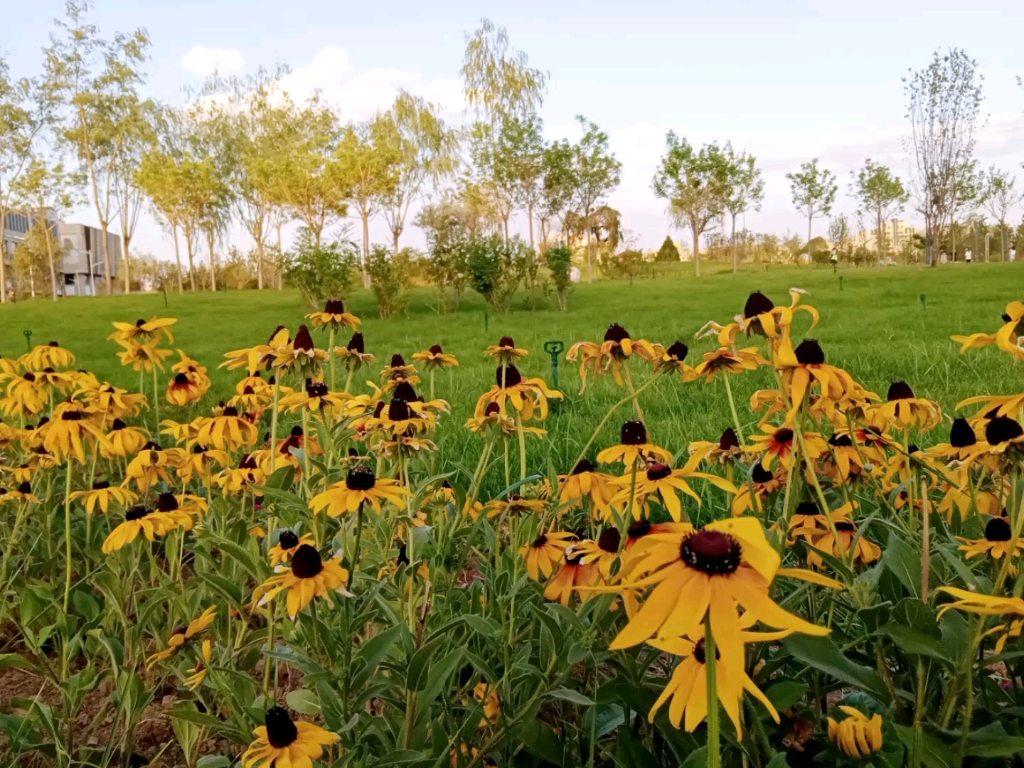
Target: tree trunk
point(810, 222)
point(696, 247)
point(177, 258)
point(881, 234)
point(49, 252)
point(125, 240)
point(1002, 229)
point(735, 253)
point(280, 256)
point(190, 248)
point(590, 263)
point(259, 263)
point(529, 220)
point(3, 255)
point(106, 259)
point(366, 246)
point(396, 233)
point(210, 238)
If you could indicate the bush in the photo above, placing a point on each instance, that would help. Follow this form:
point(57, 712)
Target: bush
point(559, 262)
point(497, 268)
point(321, 273)
point(389, 278)
point(668, 251)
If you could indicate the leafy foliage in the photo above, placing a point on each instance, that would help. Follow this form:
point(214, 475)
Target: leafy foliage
point(497, 268)
point(389, 278)
point(321, 272)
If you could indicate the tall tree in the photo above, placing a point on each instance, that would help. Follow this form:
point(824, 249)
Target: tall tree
point(413, 131)
point(695, 184)
point(944, 104)
point(594, 173)
point(93, 85)
point(556, 185)
point(744, 190)
point(880, 194)
point(158, 176)
point(368, 166)
point(498, 81)
point(139, 139)
point(814, 191)
point(19, 127)
point(999, 198)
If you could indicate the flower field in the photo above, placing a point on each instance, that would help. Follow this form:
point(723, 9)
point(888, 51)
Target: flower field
point(270, 552)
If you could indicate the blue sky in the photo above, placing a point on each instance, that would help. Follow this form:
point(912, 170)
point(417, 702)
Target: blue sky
point(788, 81)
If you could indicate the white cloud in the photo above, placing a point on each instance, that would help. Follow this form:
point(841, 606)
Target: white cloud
point(359, 94)
point(205, 61)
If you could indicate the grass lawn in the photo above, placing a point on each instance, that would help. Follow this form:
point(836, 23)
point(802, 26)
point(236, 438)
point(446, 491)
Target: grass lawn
point(877, 327)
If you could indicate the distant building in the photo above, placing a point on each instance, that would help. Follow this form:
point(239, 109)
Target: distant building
point(897, 233)
point(83, 267)
point(18, 225)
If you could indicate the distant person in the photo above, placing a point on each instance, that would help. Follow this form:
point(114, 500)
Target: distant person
point(943, 258)
point(1013, 254)
point(967, 256)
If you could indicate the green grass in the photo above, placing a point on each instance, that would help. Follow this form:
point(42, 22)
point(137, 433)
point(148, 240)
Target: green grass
point(877, 327)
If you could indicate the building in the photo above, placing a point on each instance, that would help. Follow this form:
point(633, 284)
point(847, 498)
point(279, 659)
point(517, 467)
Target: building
point(897, 234)
point(18, 225)
point(82, 268)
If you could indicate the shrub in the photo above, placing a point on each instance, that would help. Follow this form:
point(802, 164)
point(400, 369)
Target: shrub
point(389, 278)
point(497, 268)
point(668, 251)
point(321, 273)
point(559, 262)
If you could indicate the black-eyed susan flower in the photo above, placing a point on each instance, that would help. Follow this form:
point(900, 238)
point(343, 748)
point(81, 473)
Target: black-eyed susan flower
point(301, 354)
point(528, 396)
point(235, 480)
point(261, 356)
point(22, 492)
point(316, 397)
point(435, 357)
point(113, 402)
point(182, 390)
point(45, 356)
point(761, 316)
point(572, 574)
point(334, 316)
point(72, 427)
point(844, 461)
point(997, 541)
point(988, 605)
point(1009, 338)
point(840, 543)
point(604, 552)
point(505, 351)
point(228, 431)
point(25, 397)
point(197, 674)
point(200, 461)
point(143, 357)
point(102, 493)
point(149, 522)
point(397, 371)
point(360, 486)
point(182, 635)
point(856, 735)
point(123, 440)
point(586, 482)
point(307, 576)
point(144, 330)
point(354, 355)
point(1005, 436)
point(632, 447)
point(726, 450)
point(9, 365)
point(661, 480)
point(726, 360)
point(511, 505)
point(55, 381)
point(488, 696)
point(781, 444)
point(904, 410)
point(804, 367)
point(150, 466)
point(672, 359)
point(287, 543)
point(544, 554)
point(285, 743)
point(610, 355)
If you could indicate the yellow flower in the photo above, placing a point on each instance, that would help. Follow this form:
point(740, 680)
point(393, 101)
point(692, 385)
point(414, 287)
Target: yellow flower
point(182, 390)
point(236, 480)
point(102, 493)
point(611, 354)
point(123, 440)
point(528, 396)
point(545, 552)
point(782, 444)
point(113, 402)
point(70, 429)
point(181, 636)
point(761, 316)
point(488, 696)
point(856, 735)
point(143, 356)
point(144, 330)
point(45, 356)
point(506, 351)
point(1009, 338)
point(198, 673)
point(435, 357)
point(585, 481)
point(572, 574)
point(284, 743)
point(998, 537)
point(306, 577)
point(633, 447)
point(354, 355)
point(361, 485)
point(988, 605)
point(151, 523)
point(317, 398)
point(228, 431)
point(661, 479)
point(150, 466)
point(728, 361)
point(300, 353)
point(25, 397)
point(603, 553)
point(722, 452)
point(335, 316)
point(255, 359)
point(902, 410)
point(287, 543)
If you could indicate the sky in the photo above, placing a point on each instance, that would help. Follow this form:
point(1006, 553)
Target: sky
point(786, 81)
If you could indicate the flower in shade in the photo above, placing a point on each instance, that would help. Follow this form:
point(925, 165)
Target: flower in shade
point(586, 482)
point(398, 370)
point(154, 329)
point(727, 448)
point(545, 552)
point(181, 636)
point(69, 431)
point(197, 674)
point(307, 576)
point(528, 396)
point(287, 543)
point(228, 431)
point(782, 444)
point(840, 541)
point(182, 390)
point(360, 486)
point(1009, 338)
point(334, 316)
point(510, 505)
point(572, 574)
point(998, 541)
point(666, 482)
point(844, 460)
point(904, 410)
point(687, 689)
point(727, 360)
point(506, 351)
point(143, 357)
point(856, 735)
point(488, 696)
point(354, 354)
point(633, 446)
point(435, 357)
point(255, 359)
point(285, 743)
point(149, 522)
point(612, 353)
point(102, 493)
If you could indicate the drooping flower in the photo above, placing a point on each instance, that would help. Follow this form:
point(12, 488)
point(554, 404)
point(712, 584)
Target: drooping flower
point(181, 636)
point(528, 396)
point(904, 410)
point(664, 481)
point(143, 331)
point(102, 493)
point(611, 354)
point(506, 351)
point(285, 743)
point(334, 316)
point(856, 735)
point(435, 357)
point(545, 552)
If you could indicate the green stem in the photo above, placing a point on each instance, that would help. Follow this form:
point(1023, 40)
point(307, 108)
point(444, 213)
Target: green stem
point(732, 406)
point(330, 356)
point(67, 535)
point(354, 564)
point(522, 447)
point(711, 665)
point(156, 402)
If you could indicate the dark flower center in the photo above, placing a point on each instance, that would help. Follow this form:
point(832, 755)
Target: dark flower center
point(136, 512)
point(658, 471)
point(48, 369)
point(609, 540)
point(783, 435)
point(397, 361)
point(998, 529)
point(757, 304)
point(583, 465)
point(899, 390)
point(506, 342)
point(247, 462)
point(399, 410)
point(807, 508)
point(316, 388)
point(492, 409)
point(573, 558)
point(287, 539)
point(912, 448)
point(356, 343)
point(334, 307)
point(139, 323)
point(166, 502)
point(72, 416)
point(634, 433)
point(296, 431)
point(540, 541)
point(25, 488)
point(360, 479)
point(840, 441)
point(118, 425)
point(303, 340)
point(281, 731)
point(711, 552)
point(728, 440)
point(54, 344)
point(29, 377)
point(809, 352)
point(700, 651)
point(1002, 429)
point(180, 380)
point(436, 350)
point(405, 391)
point(512, 376)
point(616, 333)
point(845, 525)
point(306, 562)
point(99, 485)
point(638, 529)
point(678, 351)
point(248, 390)
point(379, 409)
point(760, 474)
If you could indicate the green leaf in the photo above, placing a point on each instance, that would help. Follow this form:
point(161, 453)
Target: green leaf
point(697, 758)
point(574, 697)
point(994, 741)
point(539, 738)
point(187, 711)
point(14, 661)
point(785, 693)
point(823, 654)
point(373, 650)
point(778, 761)
point(303, 701)
point(86, 604)
point(486, 627)
point(934, 753)
point(213, 761)
point(904, 563)
point(400, 756)
point(416, 676)
point(918, 643)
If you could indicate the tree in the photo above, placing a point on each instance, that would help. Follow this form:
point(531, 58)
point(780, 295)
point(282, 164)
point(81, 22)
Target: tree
point(18, 129)
point(593, 174)
point(389, 276)
point(814, 191)
point(840, 235)
point(668, 251)
point(491, 172)
point(448, 226)
point(744, 190)
point(91, 85)
point(139, 138)
point(48, 190)
point(427, 152)
point(321, 271)
point(881, 194)
point(694, 183)
point(556, 185)
point(944, 102)
point(157, 175)
point(498, 80)
point(999, 198)
point(559, 262)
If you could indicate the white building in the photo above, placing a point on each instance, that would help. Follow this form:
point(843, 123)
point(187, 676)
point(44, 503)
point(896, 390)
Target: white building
point(896, 233)
point(82, 268)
